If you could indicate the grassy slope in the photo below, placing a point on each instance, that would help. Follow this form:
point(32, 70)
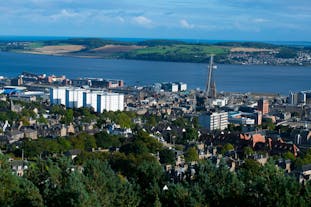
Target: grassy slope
point(182, 49)
point(163, 50)
point(178, 52)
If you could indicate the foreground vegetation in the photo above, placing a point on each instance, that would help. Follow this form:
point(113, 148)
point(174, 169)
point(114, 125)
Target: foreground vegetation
point(138, 180)
point(115, 170)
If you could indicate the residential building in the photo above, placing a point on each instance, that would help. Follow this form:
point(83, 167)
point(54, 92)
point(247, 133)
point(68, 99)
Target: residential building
point(19, 167)
point(110, 102)
point(74, 97)
point(78, 97)
point(214, 121)
point(58, 96)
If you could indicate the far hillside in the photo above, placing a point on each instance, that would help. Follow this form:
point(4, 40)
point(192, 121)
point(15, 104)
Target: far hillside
point(167, 50)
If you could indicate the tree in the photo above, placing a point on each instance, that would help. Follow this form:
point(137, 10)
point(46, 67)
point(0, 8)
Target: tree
point(181, 122)
point(16, 191)
point(103, 139)
point(75, 193)
point(290, 156)
point(86, 114)
point(42, 120)
point(151, 143)
point(57, 109)
point(176, 195)
point(151, 121)
point(189, 135)
point(227, 147)
point(195, 122)
point(123, 120)
point(261, 181)
point(136, 147)
point(285, 52)
point(268, 124)
point(217, 185)
point(60, 184)
point(149, 176)
point(83, 141)
point(248, 151)
point(167, 156)
point(68, 117)
point(106, 186)
point(191, 154)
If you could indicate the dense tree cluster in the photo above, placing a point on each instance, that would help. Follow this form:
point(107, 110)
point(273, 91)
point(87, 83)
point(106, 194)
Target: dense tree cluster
point(139, 180)
point(134, 176)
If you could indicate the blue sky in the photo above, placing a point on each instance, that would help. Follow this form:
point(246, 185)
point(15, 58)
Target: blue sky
point(262, 20)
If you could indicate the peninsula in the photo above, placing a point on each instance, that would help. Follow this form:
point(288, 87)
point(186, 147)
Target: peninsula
point(166, 50)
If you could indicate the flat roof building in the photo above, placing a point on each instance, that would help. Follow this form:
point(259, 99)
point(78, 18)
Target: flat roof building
point(213, 121)
point(79, 97)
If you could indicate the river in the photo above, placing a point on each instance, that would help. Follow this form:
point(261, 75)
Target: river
point(237, 78)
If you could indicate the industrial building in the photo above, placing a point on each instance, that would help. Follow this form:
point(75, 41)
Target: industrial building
point(78, 97)
point(97, 83)
point(214, 120)
point(11, 90)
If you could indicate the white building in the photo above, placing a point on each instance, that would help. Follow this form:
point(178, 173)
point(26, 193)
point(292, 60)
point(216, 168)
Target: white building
point(182, 86)
point(74, 97)
point(58, 96)
point(110, 102)
point(220, 102)
point(90, 99)
point(302, 97)
point(215, 120)
point(171, 87)
point(77, 98)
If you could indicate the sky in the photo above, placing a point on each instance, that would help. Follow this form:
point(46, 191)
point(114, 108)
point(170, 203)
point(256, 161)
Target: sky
point(258, 20)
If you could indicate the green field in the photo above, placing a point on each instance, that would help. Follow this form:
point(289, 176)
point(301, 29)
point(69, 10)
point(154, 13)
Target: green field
point(34, 45)
point(178, 52)
point(182, 49)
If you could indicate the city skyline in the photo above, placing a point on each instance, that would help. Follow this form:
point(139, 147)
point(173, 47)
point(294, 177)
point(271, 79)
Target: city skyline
point(215, 20)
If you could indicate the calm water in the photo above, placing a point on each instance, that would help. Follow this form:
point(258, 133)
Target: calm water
point(238, 78)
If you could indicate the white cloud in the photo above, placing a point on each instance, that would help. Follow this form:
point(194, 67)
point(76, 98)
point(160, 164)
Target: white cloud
point(185, 24)
point(260, 20)
point(120, 19)
point(64, 13)
point(144, 21)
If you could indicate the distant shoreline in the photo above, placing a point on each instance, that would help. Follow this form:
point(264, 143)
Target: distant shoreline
point(138, 39)
point(112, 58)
point(106, 58)
point(237, 53)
